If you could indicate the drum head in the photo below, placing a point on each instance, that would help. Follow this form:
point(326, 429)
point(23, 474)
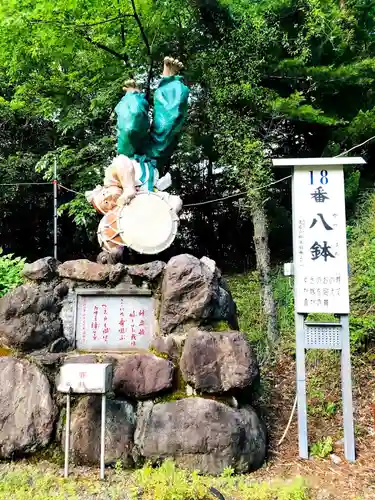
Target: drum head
point(148, 224)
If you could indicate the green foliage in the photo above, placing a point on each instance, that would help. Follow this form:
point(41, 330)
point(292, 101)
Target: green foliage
point(158, 354)
point(322, 448)
point(247, 295)
point(172, 396)
point(167, 482)
point(362, 280)
point(245, 290)
point(10, 272)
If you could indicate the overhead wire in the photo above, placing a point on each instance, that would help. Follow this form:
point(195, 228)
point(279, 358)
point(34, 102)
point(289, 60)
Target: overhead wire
point(190, 205)
point(243, 193)
point(355, 147)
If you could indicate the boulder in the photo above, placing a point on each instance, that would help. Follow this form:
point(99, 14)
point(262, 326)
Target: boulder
point(193, 292)
point(217, 362)
point(59, 345)
point(80, 358)
point(85, 270)
point(188, 289)
point(149, 271)
point(86, 427)
point(42, 269)
point(200, 434)
point(116, 273)
point(49, 360)
point(223, 307)
point(27, 412)
point(170, 346)
point(142, 376)
point(29, 317)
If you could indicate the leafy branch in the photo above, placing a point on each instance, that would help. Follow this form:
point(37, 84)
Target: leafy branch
point(124, 57)
point(148, 47)
point(85, 25)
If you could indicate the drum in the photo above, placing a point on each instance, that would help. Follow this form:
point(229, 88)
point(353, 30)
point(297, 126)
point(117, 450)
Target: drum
point(147, 225)
point(108, 231)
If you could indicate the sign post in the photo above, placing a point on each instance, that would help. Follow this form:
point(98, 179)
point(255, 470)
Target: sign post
point(320, 268)
point(85, 378)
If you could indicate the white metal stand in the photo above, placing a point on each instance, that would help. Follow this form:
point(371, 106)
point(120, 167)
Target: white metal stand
point(324, 336)
point(102, 437)
point(67, 436)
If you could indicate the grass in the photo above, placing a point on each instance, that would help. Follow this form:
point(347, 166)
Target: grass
point(245, 289)
point(24, 481)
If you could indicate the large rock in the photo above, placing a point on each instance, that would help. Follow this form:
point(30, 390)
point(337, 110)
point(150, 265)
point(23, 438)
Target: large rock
point(216, 362)
point(193, 292)
point(170, 346)
point(42, 269)
point(149, 271)
point(85, 270)
point(29, 317)
point(223, 306)
point(142, 375)
point(27, 412)
point(188, 289)
point(86, 427)
point(201, 434)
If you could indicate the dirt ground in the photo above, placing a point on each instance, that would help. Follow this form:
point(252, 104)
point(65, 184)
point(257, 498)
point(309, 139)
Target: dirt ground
point(330, 480)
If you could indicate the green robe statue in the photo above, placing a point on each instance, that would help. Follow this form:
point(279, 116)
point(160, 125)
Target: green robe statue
point(152, 146)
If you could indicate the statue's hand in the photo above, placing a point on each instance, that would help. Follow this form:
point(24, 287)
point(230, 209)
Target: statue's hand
point(127, 195)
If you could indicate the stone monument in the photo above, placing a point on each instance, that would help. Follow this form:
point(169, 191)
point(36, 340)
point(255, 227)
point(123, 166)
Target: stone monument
point(183, 375)
point(183, 379)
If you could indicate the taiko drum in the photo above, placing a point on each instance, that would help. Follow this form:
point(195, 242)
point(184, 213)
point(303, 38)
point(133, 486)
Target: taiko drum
point(109, 234)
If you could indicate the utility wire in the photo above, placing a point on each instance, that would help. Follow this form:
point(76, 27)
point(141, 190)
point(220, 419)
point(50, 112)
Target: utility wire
point(243, 193)
point(25, 183)
point(189, 205)
point(237, 194)
point(68, 189)
point(355, 147)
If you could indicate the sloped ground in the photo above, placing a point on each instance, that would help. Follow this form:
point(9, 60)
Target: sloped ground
point(329, 480)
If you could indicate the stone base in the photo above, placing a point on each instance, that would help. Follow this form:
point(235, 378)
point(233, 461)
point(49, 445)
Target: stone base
point(178, 399)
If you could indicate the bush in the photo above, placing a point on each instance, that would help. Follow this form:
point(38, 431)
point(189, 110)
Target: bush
point(361, 235)
point(10, 272)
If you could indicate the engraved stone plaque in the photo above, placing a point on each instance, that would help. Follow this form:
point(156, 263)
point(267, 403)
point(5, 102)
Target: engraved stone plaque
point(110, 320)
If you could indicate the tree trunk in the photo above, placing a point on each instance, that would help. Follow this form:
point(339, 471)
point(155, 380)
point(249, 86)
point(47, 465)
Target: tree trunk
point(262, 251)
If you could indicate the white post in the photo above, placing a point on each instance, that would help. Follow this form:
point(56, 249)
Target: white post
point(102, 437)
point(55, 209)
point(321, 275)
point(347, 398)
point(67, 435)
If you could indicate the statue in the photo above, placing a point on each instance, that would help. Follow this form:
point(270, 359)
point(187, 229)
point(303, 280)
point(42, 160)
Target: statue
point(142, 151)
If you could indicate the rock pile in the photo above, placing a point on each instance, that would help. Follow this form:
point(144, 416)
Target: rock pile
point(183, 398)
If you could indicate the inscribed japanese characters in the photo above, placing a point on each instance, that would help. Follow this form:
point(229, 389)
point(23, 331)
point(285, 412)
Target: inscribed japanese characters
point(319, 240)
point(107, 322)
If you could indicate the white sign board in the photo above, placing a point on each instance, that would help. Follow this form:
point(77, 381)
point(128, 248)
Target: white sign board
point(319, 240)
point(85, 378)
point(114, 322)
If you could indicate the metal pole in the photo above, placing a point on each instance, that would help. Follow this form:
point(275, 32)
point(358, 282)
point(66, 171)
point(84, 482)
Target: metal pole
point(67, 435)
point(301, 386)
point(55, 209)
point(346, 386)
point(102, 437)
